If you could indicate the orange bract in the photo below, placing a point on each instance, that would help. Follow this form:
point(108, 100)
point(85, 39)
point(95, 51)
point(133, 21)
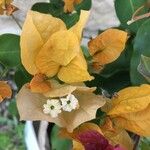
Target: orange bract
point(5, 90)
point(6, 6)
point(107, 47)
point(39, 84)
point(69, 5)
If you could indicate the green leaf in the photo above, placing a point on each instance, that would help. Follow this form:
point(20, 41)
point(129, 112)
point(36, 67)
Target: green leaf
point(10, 57)
point(5, 140)
point(84, 5)
point(144, 67)
point(125, 9)
point(111, 84)
point(57, 142)
point(12, 108)
point(86, 53)
point(144, 143)
point(9, 50)
point(12, 138)
point(121, 64)
point(141, 47)
point(21, 76)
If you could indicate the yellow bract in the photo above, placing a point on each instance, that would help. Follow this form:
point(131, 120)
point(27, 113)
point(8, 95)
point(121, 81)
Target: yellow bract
point(107, 47)
point(69, 5)
point(78, 27)
point(77, 146)
point(5, 90)
point(47, 47)
point(131, 109)
point(36, 31)
point(4, 2)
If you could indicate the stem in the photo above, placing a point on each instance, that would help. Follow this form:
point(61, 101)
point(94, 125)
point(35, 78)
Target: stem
point(137, 11)
point(3, 73)
point(138, 18)
point(13, 17)
point(137, 139)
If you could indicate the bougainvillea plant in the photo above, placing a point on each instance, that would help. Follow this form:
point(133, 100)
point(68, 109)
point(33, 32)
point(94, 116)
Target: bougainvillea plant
point(98, 95)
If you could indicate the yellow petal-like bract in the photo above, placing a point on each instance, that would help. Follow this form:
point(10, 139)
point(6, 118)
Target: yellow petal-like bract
point(47, 47)
point(36, 31)
point(131, 109)
point(78, 27)
point(107, 46)
point(75, 71)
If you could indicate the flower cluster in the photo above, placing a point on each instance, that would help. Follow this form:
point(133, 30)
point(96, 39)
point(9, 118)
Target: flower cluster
point(54, 106)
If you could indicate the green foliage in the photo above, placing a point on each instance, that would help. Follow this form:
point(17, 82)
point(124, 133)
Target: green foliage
point(11, 135)
point(144, 144)
point(5, 140)
point(141, 47)
point(55, 8)
point(9, 50)
point(125, 9)
point(144, 67)
point(10, 57)
point(110, 84)
point(21, 76)
point(12, 108)
point(86, 53)
point(84, 5)
point(57, 142)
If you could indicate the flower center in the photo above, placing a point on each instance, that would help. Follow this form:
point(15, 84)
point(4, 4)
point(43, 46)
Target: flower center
point(68, 102)
point(52, 107)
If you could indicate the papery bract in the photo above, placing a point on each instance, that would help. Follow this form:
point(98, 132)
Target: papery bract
point(30, 105)
point(107, 46)
point(131, 109)
point(69, 5)
point(5, 90)
point(47, 47)
point(39, 84)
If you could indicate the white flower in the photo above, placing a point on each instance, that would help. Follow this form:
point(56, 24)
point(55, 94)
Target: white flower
point(69, 103)
point(53, 107)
